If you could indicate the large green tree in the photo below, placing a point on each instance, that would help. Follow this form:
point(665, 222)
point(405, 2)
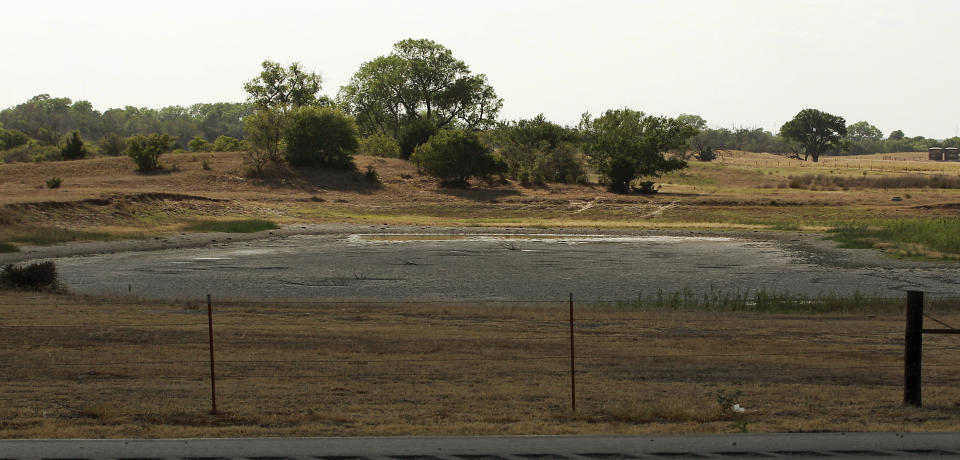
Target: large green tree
point(815, 131)
point(625, 144)
point(455, 155)
point(320, 136)
point(419, 79)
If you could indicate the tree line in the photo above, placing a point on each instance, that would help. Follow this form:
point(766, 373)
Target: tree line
point(419, 103)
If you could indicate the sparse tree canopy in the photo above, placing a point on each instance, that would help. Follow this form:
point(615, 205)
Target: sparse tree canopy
point(693, 120)
point(283, 88)
point(816, 131)
point(626, 144)
point(419, 79)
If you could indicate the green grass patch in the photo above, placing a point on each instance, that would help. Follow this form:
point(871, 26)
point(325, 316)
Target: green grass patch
point(936, 238)
point(45, 236)
point(231, 226)
point(8, 247)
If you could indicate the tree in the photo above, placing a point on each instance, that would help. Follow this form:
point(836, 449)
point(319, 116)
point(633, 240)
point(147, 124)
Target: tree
point(539, 151)
point(320, 136)
point(112, 144)
point(693, 120)
point(379, 145)
point(283, 88)
point(415, 134)
point(625, 144)
point(146, 150)
point(12, 138)
point(816, 131)
point(455, 155)
point(709, 142)
point(861, 131)
point(73, 148)
point(419, 79)
point(896, 135)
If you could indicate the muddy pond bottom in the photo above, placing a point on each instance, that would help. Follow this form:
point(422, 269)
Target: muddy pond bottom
point(480, 268)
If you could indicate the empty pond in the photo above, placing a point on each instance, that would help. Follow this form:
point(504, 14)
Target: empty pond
point(488, 267)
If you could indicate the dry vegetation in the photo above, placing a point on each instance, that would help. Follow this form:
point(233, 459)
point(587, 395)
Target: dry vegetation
point(81, 367)
point(105, 198)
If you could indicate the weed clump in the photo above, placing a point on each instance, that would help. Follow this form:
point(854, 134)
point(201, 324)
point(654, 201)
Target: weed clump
point(34, 277)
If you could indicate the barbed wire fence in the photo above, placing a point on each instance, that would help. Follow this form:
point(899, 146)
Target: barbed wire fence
point(283, 355)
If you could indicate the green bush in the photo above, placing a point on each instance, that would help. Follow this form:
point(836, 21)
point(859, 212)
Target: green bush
point(454, 156)
point(228, 144)
point(320, 136)
point(199, 144)
point(112, 144)
point(54, 182)
point(146, 150)
point(379, 145)
point(415, 134)
point(73, 148)
point(35, 276)
point(11, 138)
point(31, 152)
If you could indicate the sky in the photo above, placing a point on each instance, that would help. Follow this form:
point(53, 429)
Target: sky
point(735, 63)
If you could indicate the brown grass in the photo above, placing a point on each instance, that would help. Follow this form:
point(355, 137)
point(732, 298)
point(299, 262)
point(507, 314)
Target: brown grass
point(81, 367)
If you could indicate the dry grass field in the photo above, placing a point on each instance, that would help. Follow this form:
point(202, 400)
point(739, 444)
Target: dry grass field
point(79, 367)
point(104, 198)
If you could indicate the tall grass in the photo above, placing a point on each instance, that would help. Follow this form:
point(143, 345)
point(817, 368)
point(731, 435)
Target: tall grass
point(934, 238)
point(8, 247)
point(231, 226)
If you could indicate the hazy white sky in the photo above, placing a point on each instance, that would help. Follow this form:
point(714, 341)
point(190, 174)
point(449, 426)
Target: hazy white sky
point(895, 64)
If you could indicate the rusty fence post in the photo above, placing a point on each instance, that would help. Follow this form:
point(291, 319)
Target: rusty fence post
point(913, 349)
point(213, 375)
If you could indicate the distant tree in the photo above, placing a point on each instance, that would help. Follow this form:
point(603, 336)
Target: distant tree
point(283, 88)
point(896, 135)
point(199, 144)
point(708, 143)
point(861, 131)
point(112, 144)
point(419, 79)
point(73, 148)
point(264, 129)
point(146, 150)
point(816, 131)
point(539, 151)
point(625, 144)
point(455, 155)
point(320, 136)
point(415, 134)
point(693, 120)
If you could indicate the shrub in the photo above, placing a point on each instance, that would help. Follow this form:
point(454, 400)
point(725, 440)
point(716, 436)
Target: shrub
point(11, 138)
point(415, 134)
point(454, 156)
point(54, 182)
point(146, 150)
point(320, 136)
point(199, 144)
point(31, 152)
point(371, 174)
point(227, 144)
point(35, 276)
point(73, 148)
point(112, 144)
point(379, 145)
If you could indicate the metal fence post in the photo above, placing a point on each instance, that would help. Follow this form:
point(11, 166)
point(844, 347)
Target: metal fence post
point(913, 349)
point(213, 376)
